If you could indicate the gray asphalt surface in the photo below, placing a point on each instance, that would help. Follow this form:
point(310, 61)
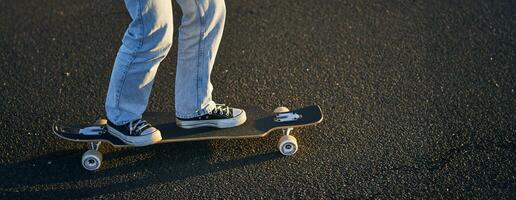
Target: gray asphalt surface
point(419, 100)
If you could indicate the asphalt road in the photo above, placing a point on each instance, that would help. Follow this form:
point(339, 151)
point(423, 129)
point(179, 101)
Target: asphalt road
point(419, 100)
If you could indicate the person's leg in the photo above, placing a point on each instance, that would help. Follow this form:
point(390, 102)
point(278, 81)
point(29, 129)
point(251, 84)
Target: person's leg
point(199, 38)
point(145, 44)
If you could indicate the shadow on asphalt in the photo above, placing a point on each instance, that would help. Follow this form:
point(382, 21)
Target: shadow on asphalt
point(49, 175)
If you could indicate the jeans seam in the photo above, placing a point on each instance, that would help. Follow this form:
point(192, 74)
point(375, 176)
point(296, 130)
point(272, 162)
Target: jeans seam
point(200, 55)
point(119, 91)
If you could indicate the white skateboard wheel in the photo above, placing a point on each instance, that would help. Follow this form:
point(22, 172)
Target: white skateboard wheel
point(91, 160)
point(281, 109)
point(101, 122)
point(287, 145)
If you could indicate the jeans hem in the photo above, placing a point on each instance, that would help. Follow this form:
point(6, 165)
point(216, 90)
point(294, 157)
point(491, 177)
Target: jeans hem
point(204, 111)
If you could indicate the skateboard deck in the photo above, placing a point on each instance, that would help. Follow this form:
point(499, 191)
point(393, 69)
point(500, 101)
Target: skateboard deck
point(259, 124)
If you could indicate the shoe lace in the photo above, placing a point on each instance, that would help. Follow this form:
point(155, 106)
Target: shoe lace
point(221, 109)
point(137, 126)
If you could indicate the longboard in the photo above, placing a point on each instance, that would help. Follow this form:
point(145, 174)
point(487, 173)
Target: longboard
point(259, 124)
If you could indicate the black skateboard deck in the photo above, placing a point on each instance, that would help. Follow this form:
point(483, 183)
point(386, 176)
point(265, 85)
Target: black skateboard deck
point(259, 124)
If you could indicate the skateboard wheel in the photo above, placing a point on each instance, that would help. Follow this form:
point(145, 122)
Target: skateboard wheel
point(91, 160)
point(287, 145)
point(281, 109)
point(101, 122)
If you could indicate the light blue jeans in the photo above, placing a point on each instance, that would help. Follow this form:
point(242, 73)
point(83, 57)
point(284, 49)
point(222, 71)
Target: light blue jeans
point(145, 44)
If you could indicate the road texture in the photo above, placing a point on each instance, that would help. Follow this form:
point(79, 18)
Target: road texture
point(419, 100)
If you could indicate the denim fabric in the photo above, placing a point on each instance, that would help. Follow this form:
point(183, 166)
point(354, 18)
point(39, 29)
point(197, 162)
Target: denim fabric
point(145, 44)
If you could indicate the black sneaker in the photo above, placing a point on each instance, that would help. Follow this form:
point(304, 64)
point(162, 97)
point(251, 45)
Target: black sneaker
point(221, 117)
point(137, 133)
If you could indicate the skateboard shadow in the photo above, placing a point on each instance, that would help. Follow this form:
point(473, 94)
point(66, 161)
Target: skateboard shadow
point(60, 174)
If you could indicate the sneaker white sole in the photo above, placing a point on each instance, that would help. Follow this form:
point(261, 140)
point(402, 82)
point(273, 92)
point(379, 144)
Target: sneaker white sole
point(218, 123)
point(137, 141)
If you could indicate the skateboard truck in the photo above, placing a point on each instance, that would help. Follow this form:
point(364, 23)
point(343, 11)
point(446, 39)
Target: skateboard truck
point(94, 145)
point(287, 144)
point(92, 159)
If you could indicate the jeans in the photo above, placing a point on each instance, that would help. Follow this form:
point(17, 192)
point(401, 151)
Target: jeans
point(146, 43)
